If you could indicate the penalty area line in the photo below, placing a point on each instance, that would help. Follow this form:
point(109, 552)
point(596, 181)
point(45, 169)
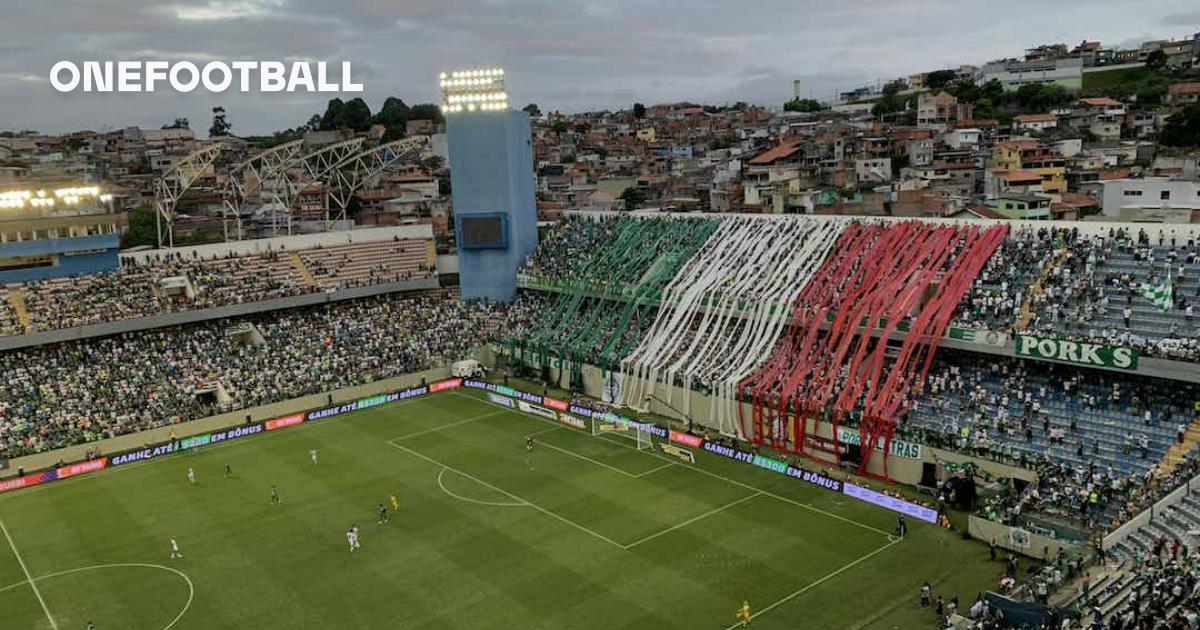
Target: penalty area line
point(526, 502)
point(28, 577)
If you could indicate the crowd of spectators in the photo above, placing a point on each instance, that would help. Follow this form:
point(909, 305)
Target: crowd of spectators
point(1165, 593)
point(1096, 291)
point(995, 298)
point(1014, 411)
point(68, 393)
point(155, 284)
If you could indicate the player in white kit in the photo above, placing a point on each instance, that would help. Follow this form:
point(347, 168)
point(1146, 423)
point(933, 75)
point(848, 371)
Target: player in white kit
point(175, 552)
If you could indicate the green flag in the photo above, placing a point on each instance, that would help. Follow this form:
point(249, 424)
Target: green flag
point(1161, 294)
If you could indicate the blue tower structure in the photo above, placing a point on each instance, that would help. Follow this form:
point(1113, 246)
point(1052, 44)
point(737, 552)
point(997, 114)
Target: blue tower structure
point(491, 173)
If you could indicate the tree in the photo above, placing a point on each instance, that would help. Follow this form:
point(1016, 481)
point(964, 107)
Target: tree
point(939, 79)
point(433, 163)
point(632, 196)
point(533, 110)
point(803, 105)
point(1156, 60)
point(427, 111)
point(179, 123)
point(220, 125)
point(1182, 128)
point(356, 115)
point(142, 229)
point(560, 127)
point(333, 114)
point(639, 111)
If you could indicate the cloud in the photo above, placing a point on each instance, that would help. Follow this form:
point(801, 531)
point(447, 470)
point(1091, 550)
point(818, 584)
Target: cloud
point(563, 54)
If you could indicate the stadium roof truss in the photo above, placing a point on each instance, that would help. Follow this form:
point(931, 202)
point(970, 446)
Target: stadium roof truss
point(350, 174)
point(175, 183)
point(260, 169)
point(313, 167)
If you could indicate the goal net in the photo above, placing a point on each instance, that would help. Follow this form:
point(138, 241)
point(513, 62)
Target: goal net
point(621, 430)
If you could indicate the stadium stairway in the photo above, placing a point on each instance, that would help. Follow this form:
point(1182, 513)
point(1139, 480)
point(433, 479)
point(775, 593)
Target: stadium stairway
point(1027, 308)
point(1176, 454)
point(305, 273)
point(16, 299)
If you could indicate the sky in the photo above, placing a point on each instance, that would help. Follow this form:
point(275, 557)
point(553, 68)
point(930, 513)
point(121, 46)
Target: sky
point(567, 55)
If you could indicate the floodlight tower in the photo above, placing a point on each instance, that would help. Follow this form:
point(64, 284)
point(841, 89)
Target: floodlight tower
point(491, 173)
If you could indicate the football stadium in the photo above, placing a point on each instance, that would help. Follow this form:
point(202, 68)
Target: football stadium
point(323, 398)
point(666, 423)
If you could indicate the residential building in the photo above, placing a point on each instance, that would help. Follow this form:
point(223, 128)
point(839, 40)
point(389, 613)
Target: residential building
point(940, 111)
point(1012, 73)
point(1036, 123)
point(1024, 206)
point(1027, 154)
point(1151, 199)
point(1184, 93)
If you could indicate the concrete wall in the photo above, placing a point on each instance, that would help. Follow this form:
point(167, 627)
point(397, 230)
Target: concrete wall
point(288, 243)
point(221, 421)
point(987, 531)
point(1147, 515)
point(187, 317)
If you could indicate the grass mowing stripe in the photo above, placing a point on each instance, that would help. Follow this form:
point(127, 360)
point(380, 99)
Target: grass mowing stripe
point(539, 508)
point(720, 508)
point(447, 426)
point(28, 577)
point(208, 447)
point(825, 578)
point(709, 473)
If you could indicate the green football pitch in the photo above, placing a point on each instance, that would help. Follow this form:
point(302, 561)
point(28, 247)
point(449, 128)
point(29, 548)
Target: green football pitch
point(581, 532)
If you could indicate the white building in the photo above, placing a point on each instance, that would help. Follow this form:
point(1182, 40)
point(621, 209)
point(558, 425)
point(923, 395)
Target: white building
point(1151, 199)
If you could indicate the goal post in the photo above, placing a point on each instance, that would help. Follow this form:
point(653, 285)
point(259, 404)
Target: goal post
point(602, 427)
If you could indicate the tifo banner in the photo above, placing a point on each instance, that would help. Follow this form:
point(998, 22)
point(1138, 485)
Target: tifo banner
point(1080, 353)
point(899, 448)
point(611, 394)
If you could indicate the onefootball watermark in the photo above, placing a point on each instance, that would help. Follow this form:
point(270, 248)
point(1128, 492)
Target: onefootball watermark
point(214, 76)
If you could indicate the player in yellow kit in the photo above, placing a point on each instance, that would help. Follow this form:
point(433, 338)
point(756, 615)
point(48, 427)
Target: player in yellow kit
point(395, 504)
point(743, 614)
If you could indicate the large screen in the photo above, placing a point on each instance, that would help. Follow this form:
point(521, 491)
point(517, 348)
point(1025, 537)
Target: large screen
point(483, 231)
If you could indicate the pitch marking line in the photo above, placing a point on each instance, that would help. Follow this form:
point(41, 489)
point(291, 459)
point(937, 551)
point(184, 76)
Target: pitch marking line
point(710, 474)
point(187, 605)
point(191, 588)
point(822, 580)
point(693, 519)
point(442, 485)
point(588, 459)
point(535, 506)
point(28, 577)
point(448, 425)
point(655, 469)
point(107, 472)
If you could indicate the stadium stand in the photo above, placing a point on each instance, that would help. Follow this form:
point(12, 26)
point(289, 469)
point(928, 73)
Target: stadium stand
point(732, 299)
point(79, 392)
point(609, 275)
point(1019, 411)
point(137, 288)
point(345, 266)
